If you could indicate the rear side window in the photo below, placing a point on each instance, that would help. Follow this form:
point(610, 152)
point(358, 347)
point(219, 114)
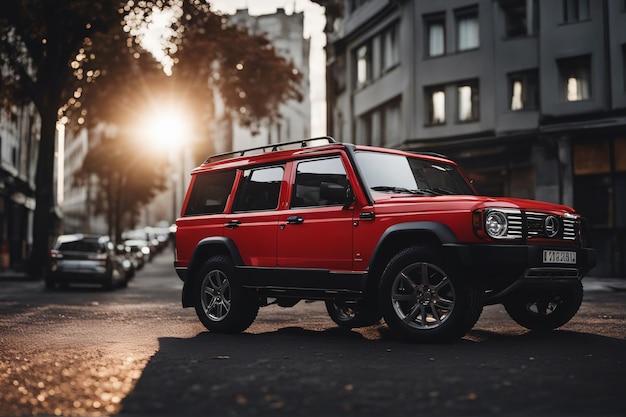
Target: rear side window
point(210, 192)
point(82, 246)
point(259, 189)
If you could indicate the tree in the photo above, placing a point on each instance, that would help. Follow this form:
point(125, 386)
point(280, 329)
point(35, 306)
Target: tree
point(126, 179)
point(66, 56)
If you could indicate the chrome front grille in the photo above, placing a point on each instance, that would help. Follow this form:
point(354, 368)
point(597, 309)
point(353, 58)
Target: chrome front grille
point(536, 227)
point(516, 225)
point(535, 224)
point(569, 229)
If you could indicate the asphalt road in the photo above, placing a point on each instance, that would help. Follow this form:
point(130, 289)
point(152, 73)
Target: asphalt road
point(87, 352)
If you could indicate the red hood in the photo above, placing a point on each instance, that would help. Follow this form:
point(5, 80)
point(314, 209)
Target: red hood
point(472, 202)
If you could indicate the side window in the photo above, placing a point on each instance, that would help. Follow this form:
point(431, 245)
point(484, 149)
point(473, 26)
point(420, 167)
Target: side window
point(210, 192)
point(259, 189)
point(320, 182)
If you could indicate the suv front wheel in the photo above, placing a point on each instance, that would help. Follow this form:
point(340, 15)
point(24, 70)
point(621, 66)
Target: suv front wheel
point(423, 301)
point(221, 305)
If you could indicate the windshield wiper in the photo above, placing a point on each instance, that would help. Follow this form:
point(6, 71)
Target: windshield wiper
point(400, 190)
point(438, 191)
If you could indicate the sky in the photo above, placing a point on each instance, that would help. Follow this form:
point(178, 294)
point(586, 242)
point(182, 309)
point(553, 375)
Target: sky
point(314, 22)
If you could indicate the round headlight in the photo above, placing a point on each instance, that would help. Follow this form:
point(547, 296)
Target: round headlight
point(496, 224)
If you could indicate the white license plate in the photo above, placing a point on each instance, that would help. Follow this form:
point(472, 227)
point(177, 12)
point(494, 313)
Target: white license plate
point(559, 257)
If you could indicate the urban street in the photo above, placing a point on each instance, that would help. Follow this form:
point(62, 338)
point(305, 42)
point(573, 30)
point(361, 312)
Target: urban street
point(82, 351)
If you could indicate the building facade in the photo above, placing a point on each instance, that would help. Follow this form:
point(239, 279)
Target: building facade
point(286, 32)
point(19, 140)
point(528, 96)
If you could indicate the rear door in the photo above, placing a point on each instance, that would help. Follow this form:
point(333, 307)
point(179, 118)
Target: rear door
point(252, 223)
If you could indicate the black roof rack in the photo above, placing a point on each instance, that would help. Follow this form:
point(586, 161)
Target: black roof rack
point(435, 154)
point(303, 143)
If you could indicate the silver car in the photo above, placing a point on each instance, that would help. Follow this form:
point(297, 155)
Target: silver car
point(85, 259)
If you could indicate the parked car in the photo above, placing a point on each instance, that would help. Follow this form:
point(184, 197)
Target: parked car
point(375, 233)
point(78, 258)
point(128, 259)
point(140, 249)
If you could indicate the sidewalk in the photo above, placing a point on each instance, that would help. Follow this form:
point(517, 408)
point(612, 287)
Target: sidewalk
point(12, 275)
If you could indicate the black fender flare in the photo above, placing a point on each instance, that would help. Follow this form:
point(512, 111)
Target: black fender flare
point(441, 232)
point(204, 250)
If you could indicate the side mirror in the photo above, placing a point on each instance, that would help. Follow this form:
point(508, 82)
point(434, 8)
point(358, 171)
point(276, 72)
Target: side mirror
point(336, 194)
point(349, 198)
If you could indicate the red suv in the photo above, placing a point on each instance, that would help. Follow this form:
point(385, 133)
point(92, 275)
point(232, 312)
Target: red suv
point(375, 233)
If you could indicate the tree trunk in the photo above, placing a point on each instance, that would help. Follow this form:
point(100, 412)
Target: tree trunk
point(44, 193)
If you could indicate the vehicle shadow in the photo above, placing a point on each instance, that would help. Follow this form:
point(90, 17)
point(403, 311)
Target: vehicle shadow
point(333, 372)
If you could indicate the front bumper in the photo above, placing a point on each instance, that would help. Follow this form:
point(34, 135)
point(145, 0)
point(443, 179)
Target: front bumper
point(501, 268)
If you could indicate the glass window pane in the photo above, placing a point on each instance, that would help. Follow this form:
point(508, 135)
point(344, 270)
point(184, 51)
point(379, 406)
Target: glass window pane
point(465, 103)
point(436, 39)
point(467, 30)
point(362, 65)
point(209, 193)
point(516, 99)
point(259, 189)
point(439, 107)
point(390, 48)
point(321, 182)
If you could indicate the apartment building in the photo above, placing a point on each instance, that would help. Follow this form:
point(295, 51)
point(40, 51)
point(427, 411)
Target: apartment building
point(528, 96)
point(19, 140)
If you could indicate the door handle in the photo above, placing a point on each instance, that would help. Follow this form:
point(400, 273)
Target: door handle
point(367, 215)
point(295, 220)
point(232, 224)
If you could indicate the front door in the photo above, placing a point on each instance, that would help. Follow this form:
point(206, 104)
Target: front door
point(316, 230)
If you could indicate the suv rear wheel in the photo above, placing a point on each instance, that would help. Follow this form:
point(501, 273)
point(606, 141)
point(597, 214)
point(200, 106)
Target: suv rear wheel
point(353, 314)
point(222, 305)
point(544, 308)
point(423, 301)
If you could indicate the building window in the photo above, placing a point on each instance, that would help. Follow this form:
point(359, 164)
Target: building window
point(381, 126)
point(575, 78)
point(391, 123)
point(575, 10)
point(467, 29)
point(390, 54)
point(435, 106)
point(468, 105)
point(435, 34)
point(363, 64)
point(515, 18)
point(523, 90)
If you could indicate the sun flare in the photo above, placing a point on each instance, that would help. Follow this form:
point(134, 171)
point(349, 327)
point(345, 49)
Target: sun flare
point(166, 130)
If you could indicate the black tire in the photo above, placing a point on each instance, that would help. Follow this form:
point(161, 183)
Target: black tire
point(424, 300)
point(544, 308)
point(352, 315)
point(50, 283)
point(108, 283)
point(221, 305)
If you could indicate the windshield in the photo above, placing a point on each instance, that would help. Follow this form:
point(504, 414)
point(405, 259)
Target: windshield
point(390, 173)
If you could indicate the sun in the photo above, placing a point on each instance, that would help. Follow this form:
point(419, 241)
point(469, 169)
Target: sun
point(166, 129)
